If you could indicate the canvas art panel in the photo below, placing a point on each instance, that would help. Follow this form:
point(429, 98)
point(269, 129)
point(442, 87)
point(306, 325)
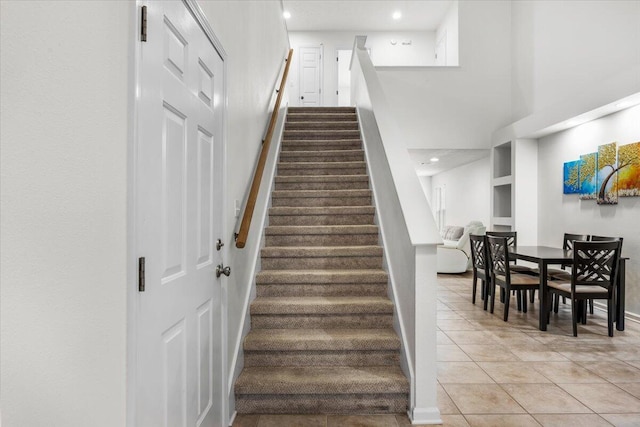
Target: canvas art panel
point(607, 177)
point(571, 175)
point(587, 176)
point(629, 170)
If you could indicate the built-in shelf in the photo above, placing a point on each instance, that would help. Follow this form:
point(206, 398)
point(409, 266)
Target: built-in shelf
point(502, 200)
point(502, 221)
point(502, 160)
point(505, 180)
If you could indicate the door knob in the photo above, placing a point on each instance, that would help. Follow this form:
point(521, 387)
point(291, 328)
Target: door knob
point(220, 270)
point(219, 244)
point(302, 97)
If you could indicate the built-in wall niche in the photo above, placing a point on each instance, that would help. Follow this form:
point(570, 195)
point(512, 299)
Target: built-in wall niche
point(502, 201)
point(502, 160)
point(497, 227)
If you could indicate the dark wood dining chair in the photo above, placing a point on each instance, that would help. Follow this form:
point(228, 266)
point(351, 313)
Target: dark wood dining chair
point(562, 273)
point(594, 273)
point(503, 276)
point(480, 265)
point(601, 239)
point(512, 241)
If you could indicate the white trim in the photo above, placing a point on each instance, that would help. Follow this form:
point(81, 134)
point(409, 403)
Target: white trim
point(201, 18)
point(233, 418)
point(425, 416)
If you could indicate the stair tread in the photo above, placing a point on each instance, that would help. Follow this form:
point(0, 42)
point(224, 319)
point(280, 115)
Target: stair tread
point(321, 193)
point(276, 230)
point(322, 305)
point(321, 339)
point(322, 152)
point(321, 178)
point(355, 163)
point(322, 380)
point(322, 276)
point(321, 251)
point(321, 210)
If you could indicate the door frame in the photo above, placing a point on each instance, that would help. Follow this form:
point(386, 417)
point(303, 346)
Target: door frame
point(321, 72)
point(135, 51)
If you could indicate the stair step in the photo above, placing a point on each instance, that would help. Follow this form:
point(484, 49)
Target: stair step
point(322, 404)
point(321, 125)
point(321, 305)
point(334, 215)
point(322, 257)
point(312, 134)
point(321, 235)
point(308, 110)
point(322, 182)
point(322, 321)
point(321, 117)
point(313, 198)
point(277, 340)
point(321, 168)
point(322, 357)
point(318, 145)
point(322, 380)
point(321, 283)
point(323, 156)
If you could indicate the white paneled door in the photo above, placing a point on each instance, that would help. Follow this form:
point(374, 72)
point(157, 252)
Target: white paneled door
point(178, 221)
point(310, 76)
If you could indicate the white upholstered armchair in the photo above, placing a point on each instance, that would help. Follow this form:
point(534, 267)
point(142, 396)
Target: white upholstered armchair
point(454, 256)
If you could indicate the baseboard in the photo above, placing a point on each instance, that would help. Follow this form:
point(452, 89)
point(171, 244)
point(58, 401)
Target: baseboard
point(633, 317)
point(424, 416)
point(233, 418)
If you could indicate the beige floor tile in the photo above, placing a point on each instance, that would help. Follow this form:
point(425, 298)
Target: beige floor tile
point(451, 353)
point(442, 338)
point(632, 388)
point(246, 421)
point(482, 399)
point(614, 371)
point(628, 354)
point(488, 353)
point(449, 315)
point(471, 337)
point(507, 337)
point(544, 399)
point(586, 356)
point(455, 325)
point(538, 356)
point(635, 363)
point(623, 420)
point(292, 421)
point(513, 372)
point(461, 373)
point(445, 404)
point(501, 421)
point(454, 421)
point(568, 372)
point(361, 421)
point(603, 398)
point(403, 421)
point(571, 420)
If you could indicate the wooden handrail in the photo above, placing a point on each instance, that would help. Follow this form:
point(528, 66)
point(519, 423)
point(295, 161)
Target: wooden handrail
point(243, 233)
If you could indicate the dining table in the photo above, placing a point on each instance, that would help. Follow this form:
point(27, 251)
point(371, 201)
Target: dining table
point(544, 256)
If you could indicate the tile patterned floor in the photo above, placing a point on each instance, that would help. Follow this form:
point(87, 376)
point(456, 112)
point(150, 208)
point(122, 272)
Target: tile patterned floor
point(495, 373)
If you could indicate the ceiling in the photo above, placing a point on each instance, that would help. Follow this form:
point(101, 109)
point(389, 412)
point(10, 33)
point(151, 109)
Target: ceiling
point(448, 159)
point(365, 15)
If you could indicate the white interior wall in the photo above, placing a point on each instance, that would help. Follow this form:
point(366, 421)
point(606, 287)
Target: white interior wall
point(458, 107)
point(560, 48)
point(466, 192)
point(425, 182)
point(564, 213)
point(252, 76)
point(449, 29)
point(65, 107)
point(383, 53)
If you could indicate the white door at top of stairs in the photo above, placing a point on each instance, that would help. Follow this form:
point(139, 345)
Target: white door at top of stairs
point(310, 76)
point(178, 332)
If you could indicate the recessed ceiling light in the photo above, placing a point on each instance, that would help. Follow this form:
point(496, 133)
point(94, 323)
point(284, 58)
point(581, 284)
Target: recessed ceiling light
point(286, 14)
point(397, 15)
point(434, 159)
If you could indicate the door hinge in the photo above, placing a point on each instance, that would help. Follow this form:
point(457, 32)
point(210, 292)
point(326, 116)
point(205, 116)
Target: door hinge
point(141, 275)
point(337, 93)
point(337, 59)
point(143, 24)
point(319, 90)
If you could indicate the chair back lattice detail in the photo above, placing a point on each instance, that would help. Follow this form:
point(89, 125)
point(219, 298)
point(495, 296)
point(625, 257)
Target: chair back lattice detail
point(595, 263)
point(498, 256)
point(511, 236)
point(478, 252)
point(567, 243)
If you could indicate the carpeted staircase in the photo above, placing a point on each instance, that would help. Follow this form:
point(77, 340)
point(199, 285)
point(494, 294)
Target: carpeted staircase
point(322, 337)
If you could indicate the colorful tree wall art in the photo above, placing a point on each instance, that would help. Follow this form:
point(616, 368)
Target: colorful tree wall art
point(629, 170)
point(604, 176)
point(587, 175)
point(607, 180)
point(571, 177)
